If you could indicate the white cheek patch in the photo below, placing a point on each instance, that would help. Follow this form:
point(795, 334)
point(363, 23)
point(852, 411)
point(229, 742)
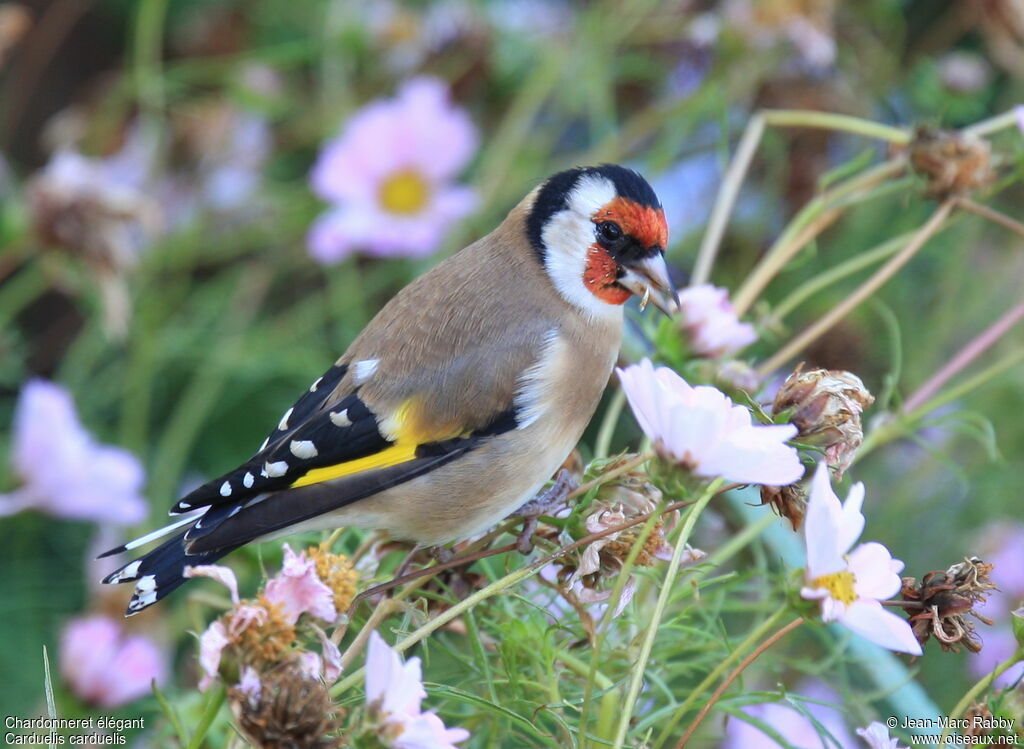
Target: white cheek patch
point(567, 237)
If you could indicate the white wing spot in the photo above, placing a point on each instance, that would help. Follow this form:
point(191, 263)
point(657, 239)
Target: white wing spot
point(225, 489)
point(340, 418)
point(128, 572)
point(303, 448)
point(247, 480)
point(363, 370)
point(184, 505)
point(316, 384)
point(279, 468)
point(283, 423)
point(146, 584)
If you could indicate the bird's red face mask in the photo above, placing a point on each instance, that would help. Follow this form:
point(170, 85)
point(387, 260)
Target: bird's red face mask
point(627, 255)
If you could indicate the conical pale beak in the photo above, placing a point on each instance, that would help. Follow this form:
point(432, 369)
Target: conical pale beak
point(649, 280)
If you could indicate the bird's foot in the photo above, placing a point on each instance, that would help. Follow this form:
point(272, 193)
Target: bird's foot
point(546, 503)
point(441, 554)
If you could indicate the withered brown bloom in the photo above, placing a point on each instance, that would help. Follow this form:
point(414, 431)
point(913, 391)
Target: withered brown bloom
point(789, 502)
point(337, 573)
point(945, 600)
point(825, 406)
point(953, 164)
point(585, 578)
point(290, 710)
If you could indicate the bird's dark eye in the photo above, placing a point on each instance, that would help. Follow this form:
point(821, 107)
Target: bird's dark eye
point(609, 231)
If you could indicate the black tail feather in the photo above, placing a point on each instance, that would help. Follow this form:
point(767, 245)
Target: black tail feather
point(161, 571)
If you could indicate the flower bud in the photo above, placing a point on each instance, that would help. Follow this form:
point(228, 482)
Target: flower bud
point(825, 406)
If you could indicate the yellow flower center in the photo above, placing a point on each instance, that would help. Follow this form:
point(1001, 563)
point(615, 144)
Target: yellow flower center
point(405, 192)
point(839, 585)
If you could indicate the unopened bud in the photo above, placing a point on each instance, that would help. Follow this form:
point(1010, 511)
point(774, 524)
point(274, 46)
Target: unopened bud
point(952, 163)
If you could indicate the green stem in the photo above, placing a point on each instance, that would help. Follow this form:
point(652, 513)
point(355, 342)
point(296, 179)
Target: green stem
point(754, 637)
point(839, 122)
point(608, 424)
point(610, 700)
point(1003, 121)
point(901, 425)
point(981, 686)
point(147, 53)
point(659, 610)
point(813, 218)
point(733, 675)
point(213, 705)
point(726, 199)
point(929, 229)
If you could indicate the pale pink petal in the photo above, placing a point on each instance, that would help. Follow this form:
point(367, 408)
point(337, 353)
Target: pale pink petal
point(396, 686)
point(211, 644)
point(250, 685)
point(331, 656)
point(868, 619)
point(875, 571)
point(1019, 112)
point(105, 668)
point(427, 731)
point(331, 238)
point(310, 665)
point(876, 735)
point(298, 590)
point(851, 520)
point(705, 431)
point(224, 575)
point(65, 472)
point(711, 321)
point(822, 527)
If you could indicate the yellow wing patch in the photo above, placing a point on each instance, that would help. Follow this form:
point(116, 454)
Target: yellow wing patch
point(390, 456)
point(403, 427)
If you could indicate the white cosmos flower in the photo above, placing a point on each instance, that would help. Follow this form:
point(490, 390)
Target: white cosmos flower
point(705, 431)
point(876, 736)
point(850, 584)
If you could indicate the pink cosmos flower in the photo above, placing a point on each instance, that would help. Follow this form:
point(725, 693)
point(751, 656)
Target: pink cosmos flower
point(393, 692)
point(876, 736)
point(705, 431)
point(711, 321)
point(1019, 112)
point(792, 725)
point(389, 176)
point(104, 666)
point(65, 471)
point(848, 583)
point(298, 590)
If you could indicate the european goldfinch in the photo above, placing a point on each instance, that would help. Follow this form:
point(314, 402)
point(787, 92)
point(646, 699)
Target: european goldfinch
point(460, 398)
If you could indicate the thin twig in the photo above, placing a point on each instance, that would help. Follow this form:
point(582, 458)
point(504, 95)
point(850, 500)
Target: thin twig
point(996, 217)
point(975, 348)
point(733, 676)
point(726, 199)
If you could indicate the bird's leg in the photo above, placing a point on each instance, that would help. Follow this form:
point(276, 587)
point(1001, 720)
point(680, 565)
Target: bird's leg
point(545, 503)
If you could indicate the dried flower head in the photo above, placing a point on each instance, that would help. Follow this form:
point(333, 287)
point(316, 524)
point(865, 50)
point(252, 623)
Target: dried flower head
point(337, 573)
point(789, 502)
point(825, 406)
point(288, 710)
point(586, 577)
point(952, 163)
point(259, 632)
point(943, 601)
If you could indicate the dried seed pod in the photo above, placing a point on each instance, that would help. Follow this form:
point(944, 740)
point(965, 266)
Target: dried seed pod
point(290, 710)
point(943, 600)
point(825, 406)
point(952, 163)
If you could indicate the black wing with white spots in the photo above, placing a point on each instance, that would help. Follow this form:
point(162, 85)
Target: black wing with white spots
point(312, 433)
